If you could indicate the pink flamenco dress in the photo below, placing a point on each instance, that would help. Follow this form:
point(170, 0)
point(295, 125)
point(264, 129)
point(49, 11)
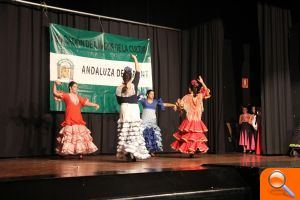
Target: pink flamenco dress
point(190, 136)
point(74, 138)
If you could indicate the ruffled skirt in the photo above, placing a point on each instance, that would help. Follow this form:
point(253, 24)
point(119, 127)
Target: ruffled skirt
point(74, 140)
point(152, 136)
point(190, 137)
point(130, 137)
point(247, 136)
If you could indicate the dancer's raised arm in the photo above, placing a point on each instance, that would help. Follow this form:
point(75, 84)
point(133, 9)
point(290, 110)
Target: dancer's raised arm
point(56, 93)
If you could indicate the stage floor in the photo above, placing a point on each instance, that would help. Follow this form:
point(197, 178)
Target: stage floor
point(55, 167)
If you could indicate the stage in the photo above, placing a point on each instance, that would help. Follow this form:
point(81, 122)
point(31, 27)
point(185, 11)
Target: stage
point(166, 176)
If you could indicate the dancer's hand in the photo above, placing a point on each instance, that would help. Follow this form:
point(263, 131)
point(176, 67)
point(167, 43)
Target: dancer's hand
point(133, 57)
point(200, 79)
point(97, 106)
point(57, 99)
point(136, 63)
point(57, 82)
point(175, 108)
point(178, 102)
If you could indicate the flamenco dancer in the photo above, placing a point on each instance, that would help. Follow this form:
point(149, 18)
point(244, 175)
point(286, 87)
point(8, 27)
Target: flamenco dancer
point(247, 134)
point(151, 132)
point(131, 143)
point(74, 138)
point(190, 136)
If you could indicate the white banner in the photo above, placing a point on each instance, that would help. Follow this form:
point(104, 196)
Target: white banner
point(93, 71)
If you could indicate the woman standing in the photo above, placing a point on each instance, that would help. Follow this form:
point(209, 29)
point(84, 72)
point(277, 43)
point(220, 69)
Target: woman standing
point(74, 138)
point(247, 138)
point(190, 137)
point(151, 132)
point(131, 143)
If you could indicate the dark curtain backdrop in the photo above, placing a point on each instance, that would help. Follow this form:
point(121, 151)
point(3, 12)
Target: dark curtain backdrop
point(277, 121)
point(294, 54)
point(202, 54)
point(27, 126)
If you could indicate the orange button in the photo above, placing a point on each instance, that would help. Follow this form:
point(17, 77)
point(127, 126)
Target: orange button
point(280, 183)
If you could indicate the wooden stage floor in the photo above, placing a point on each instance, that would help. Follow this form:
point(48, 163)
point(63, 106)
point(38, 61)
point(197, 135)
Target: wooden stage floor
point(20, 168)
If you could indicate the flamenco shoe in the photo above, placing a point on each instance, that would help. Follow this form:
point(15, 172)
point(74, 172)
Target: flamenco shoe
point(133, 159)
point(192, 155)
point(62, 156)
point(152, 154)
point(80, 156)
point(130, 157)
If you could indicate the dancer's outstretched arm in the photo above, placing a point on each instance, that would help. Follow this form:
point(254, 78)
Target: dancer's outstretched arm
point(204, 90)
point(136, 78)
point(54, 90)
point(171, 105)
point(136, 63)
point(88, 103)
point(202, 82)
point(179, 104)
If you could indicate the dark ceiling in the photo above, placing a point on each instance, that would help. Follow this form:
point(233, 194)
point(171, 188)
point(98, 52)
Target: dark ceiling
point(239, 17)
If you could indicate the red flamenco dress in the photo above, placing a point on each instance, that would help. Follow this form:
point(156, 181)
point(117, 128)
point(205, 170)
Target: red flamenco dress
point(74, 138)
point(190, 136)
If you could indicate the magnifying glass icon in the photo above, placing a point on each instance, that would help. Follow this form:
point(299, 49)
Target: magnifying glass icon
point(277, 180)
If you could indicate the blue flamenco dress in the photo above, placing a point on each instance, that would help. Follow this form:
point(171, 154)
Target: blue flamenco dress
point(151, 132)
